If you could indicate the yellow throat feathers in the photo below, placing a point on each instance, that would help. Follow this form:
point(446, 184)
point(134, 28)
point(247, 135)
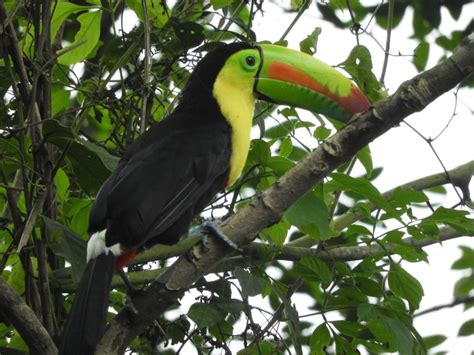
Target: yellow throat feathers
point(233, 91)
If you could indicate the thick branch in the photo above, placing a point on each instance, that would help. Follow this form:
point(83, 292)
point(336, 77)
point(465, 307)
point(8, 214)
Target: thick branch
point(412, 96)
point(25, 321)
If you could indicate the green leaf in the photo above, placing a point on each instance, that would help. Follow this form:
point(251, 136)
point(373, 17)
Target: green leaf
point(310, 215)
point(219, 4)
point(320, 339)
point(403, 197)
point(277, 232)
point(403, 285)
point(286, 147)
point(279, 165)
point(352, 329)
point(365, 188)
point(421, 54)
point(359, 66)
point(467, 328)
point(434, 340)
point(205, 314)
point(61, 11)
point(310, 43)
point(466, 261)
point(365, 157)
point(455, 218)
point(261, 348)
point(67, 243)
point(88, 35)
point(321, 133)
point(158, 12)
point(61, 180)
point(314, 269)
point(251, 285)
point(259, 151)
point(91, 163)
point(344, 347)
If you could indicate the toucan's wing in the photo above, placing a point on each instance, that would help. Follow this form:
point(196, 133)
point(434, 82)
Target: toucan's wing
point(163, 181)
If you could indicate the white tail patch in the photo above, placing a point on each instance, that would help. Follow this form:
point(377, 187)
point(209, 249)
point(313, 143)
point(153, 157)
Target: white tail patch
point(96, 246)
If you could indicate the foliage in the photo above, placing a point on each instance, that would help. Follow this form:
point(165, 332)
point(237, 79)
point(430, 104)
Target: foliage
point(62, 134)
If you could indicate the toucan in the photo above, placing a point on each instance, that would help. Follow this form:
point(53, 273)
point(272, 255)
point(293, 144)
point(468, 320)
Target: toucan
point(172, 171)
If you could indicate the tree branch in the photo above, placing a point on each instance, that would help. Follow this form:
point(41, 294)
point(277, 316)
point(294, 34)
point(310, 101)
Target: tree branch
point(452, 304)
point(25, 321)
point(267, 209)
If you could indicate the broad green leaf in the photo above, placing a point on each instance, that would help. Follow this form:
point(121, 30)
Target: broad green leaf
point(457, 219)
point(365, 188)
point(310, 215)
point(158, 12)
point(88, 35)
point(467, 328)
point(219, 4)
point(277, 232)
point(61, 180)
point(369, 287)
point(67, 243)
point(359, 66)
point(286, 147)
point(320, 339)
point(286, 127)
point(344, 347)
point(403, 285)
point(259, 151)
point(205, 314)
point(321, 133)
point(466, 261)
point(365, 158)
point(262, 348)
point(402, 197)
point(312, 268)
point(310, 43)
point(279, 165)
point(16, 279)
point(61, 11)
point(91, 163)
point(251, 285)
point(421, 54)
point(352, 329)
point(434, 340)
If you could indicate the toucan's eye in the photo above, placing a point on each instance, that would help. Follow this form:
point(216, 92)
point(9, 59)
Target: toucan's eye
point(250, 60)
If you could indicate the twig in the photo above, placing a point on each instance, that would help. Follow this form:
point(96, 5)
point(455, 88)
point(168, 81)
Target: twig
point(301, 11)
point(452, 304)
point(146, 67)
point(391, 8)
point(31, 221)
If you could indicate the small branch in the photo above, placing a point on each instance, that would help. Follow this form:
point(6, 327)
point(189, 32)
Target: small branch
point(30, 223)
point(454, 303)
point(391, 9)
point(301, 11)
point(146, 68)
point(25, 321)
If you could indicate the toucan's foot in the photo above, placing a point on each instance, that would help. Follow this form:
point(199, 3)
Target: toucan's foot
point(209, 227)
point(132, 292)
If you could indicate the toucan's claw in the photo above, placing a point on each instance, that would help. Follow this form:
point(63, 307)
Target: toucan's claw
point(209, 227)
point(132, 291)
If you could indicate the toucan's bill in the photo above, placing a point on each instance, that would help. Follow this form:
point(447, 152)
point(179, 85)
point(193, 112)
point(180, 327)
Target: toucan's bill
point(295, 78)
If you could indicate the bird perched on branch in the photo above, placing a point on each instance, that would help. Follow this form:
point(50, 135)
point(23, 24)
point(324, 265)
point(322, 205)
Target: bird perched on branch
point(171, 173)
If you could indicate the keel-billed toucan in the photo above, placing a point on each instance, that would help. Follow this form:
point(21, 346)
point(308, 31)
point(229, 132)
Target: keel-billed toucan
point(169, 174)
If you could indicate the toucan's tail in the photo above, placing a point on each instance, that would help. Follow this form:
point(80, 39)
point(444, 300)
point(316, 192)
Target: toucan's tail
point(87, 319)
